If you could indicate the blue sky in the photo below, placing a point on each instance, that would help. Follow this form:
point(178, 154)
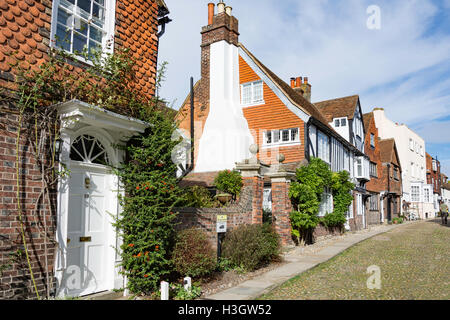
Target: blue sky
point(403, 67)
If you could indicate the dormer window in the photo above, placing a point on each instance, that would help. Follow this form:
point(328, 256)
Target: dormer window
point(252, 93)
point(79, 25)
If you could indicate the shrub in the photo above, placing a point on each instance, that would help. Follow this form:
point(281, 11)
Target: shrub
point(334, 220)
point(230, 182)
point(267, 216)
point(199, 197)
point(250, 246)
point(397, 220)
point(193, 255)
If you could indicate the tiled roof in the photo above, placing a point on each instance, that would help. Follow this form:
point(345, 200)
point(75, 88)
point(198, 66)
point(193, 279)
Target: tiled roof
point(298, 100)
point(338, 108)
point(367, 117)
point(386, 150)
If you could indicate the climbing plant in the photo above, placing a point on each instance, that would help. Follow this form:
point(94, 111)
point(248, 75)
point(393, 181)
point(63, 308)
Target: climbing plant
point(107, 82)
point(306, 194)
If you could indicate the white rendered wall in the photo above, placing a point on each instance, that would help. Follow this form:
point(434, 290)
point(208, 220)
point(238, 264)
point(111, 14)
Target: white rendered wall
point(226, 136)
point(387, 129)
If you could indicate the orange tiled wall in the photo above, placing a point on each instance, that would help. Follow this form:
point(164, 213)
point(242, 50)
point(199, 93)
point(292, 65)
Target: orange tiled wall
point(271, 115)
point(25, 29)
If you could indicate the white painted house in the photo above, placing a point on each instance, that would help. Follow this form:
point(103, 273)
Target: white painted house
point(411, 151)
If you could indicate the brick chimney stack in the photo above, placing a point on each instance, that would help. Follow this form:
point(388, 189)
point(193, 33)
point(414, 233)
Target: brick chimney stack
point(306, 87)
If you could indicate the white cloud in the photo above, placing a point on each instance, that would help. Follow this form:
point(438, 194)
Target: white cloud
point(328, 41)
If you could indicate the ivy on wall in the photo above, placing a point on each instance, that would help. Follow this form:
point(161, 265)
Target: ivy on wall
point(306, 194)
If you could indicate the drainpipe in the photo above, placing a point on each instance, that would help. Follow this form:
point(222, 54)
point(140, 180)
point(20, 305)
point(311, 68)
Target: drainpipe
point(192, 127)
point(162, 22)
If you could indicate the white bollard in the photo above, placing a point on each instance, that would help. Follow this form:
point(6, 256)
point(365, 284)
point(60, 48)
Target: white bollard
point(187, 283)
point(164, 290)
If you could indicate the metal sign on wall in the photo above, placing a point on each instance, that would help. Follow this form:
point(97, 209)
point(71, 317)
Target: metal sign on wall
point(221, 226)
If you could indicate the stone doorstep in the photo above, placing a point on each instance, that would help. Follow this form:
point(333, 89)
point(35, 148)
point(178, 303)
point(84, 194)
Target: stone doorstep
point(105, 295)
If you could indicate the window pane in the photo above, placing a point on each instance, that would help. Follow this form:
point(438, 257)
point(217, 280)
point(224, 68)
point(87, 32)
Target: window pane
point(102, 2)
point(84, 5)
point(343, 122)
point(337, 123)
point(269, 137)
point(93, 46)
point(257, 92)
point(285, 135)
point(246, 93)
point(62, 37)
point(294, 134)
point(79, 42)
point(96, 34)
point(67, 4)
point(64, 18)
point(276, 136)
point(81, 26)
point(97, 11)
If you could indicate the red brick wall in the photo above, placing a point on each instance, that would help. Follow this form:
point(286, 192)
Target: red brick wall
point(375, 184)
point(244, 212)
point(281, 209)
point(25, 28)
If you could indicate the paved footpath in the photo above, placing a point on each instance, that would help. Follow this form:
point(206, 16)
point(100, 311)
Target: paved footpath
point(297, 263)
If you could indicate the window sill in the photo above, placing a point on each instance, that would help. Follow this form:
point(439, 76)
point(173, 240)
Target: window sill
point(285, 144)
point(255, 104)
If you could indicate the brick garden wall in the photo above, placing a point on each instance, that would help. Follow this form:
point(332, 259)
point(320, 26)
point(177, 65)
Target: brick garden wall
point(205, 218)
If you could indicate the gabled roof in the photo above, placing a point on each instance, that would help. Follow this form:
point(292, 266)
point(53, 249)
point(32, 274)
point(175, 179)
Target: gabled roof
point(338, 108)
point(298, 100)
point(387, 150)
point(367, 118)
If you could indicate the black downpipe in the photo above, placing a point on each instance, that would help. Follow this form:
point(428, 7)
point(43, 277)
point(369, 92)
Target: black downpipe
point(192, 126)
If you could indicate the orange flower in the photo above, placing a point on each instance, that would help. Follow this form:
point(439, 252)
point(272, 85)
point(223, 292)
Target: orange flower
point(146, 276)
point(137, 188)
point(146, 188)
point(131, 245)
point(139, 254)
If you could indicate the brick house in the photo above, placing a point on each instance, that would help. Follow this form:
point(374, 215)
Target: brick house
point(376, 186)
point(434, 180)
point(80, 257)
point(391, 205)
point(239, 102)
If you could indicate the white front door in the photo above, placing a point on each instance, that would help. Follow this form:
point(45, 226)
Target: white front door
point(88, 231)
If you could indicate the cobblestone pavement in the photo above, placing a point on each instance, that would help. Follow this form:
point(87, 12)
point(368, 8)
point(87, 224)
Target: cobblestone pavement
point(413, 260)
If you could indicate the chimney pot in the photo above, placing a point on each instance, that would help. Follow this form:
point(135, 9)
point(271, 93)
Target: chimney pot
point(210, 13)
point(220, 7)
point(292, 82)
point(228, 10)
point(298, 82)
point(306, 80)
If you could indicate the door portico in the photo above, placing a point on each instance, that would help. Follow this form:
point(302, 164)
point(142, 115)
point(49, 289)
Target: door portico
point(86, 261)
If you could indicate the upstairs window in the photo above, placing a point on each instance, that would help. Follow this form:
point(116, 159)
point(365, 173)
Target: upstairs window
point(373, 170)
point(252, 93)
point(323, 148)
point(280, 137)
point(415, 193)
point(79, 25)
point(372, 140)
point(341, 122)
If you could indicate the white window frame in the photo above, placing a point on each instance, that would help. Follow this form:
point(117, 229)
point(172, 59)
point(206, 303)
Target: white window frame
point(326, 203)
point(338, 122)
point(372, 140)
point(253, 101)
point(109, 28)
point(415, 193)
point(359, 204)
point(280, 142)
